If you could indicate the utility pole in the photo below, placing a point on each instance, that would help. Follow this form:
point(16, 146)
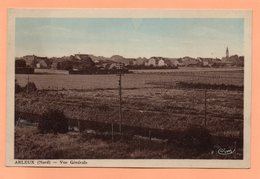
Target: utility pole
point(120, 96)
point(205, 107)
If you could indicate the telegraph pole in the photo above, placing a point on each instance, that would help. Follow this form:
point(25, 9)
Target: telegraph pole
point(120, 96)
point(205, 107)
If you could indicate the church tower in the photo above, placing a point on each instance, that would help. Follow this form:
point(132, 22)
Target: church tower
point(227, 53)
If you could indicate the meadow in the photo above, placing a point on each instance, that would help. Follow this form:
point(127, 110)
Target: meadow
point(149, 99)
point(139, 79)
point(165, 100)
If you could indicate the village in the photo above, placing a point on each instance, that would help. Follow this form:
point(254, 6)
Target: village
point(86, 63)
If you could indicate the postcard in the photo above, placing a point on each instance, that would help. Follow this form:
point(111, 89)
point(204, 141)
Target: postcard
point(157, 88)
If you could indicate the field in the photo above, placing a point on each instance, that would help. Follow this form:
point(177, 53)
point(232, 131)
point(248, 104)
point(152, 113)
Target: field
point(149, 99)
point(30, 144)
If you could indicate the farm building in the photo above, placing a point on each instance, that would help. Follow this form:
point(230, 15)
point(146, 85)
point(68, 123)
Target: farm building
point(33, 60)
point(41, 64)
point(156, 62)
point(84, 59)
point(30, 60)
point(150, 62)
point(161, 63)
point(112, 66)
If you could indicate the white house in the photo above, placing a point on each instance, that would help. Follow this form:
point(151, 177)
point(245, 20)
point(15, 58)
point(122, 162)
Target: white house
point(41, 64)
point(161, 63)
point(151, 62)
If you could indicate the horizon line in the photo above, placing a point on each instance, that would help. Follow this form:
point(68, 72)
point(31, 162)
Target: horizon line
point(122, 56)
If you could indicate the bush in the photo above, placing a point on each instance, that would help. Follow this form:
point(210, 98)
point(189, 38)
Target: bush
point(53, 121)
point(18, 88)
point(30, 87)
point(197, 138)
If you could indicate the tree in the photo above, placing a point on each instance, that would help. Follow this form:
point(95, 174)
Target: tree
point(20, 63)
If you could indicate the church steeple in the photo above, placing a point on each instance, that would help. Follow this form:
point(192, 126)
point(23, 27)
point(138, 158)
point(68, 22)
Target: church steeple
point(227, 53)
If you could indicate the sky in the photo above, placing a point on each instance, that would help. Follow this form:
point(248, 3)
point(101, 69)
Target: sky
point(129, 37)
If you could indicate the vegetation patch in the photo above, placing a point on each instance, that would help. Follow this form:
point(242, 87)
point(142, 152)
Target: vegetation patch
point(53, 121)
point(29, 87)
point(31, 144)
point(190, 85)
point(18, 88)
point(198, 138)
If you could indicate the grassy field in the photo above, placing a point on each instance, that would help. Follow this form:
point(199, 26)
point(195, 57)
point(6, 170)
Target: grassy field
point(149, 100)
point(30, 144)
point(142, 79)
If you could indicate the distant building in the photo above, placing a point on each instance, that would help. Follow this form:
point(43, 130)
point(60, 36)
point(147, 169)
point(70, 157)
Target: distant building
point(33, 60)
point(140, 61)
point(82, 59)
point(226, 57)
point(205, 63)
point(151, 62)
point(30, 60)
point(41, 64)
point(227, 53)
point(161, 63)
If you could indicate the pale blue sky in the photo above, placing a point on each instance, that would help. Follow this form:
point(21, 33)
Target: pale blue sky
point(128, 37)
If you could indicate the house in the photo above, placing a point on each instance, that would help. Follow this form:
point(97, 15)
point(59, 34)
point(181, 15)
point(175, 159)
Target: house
point(41, 64)
point(161, 63)
point(151, 62)
point(85, 60)
point(134, 62)
point(33, 60)
point(205, 62)
point(81, 62)
point(30, 60)
point(114, 66)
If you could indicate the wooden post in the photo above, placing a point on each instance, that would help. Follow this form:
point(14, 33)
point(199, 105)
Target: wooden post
point(205, 108)
point(112, 128)
point(18, 122)
point(120, 98)
point(79, 125)
point(150, 136)
point(112, 124)
point(235, 149)
point(28, 83)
